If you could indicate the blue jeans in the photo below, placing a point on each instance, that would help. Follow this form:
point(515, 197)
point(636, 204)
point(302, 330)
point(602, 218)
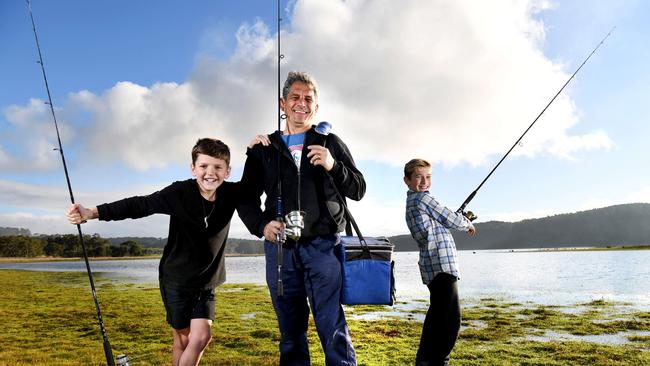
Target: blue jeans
point(310, 270)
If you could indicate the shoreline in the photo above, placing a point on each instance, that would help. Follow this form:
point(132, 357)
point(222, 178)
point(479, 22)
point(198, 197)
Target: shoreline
point(567, 249)
point(4, 260)
point(7, 260)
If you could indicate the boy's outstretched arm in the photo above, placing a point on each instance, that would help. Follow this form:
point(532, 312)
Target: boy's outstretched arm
point(77, 214)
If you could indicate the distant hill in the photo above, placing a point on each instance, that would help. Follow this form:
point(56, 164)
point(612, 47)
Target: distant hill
point(618, 225)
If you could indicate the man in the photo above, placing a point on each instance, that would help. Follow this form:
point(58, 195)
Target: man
point(429, 223)
point(311, 269)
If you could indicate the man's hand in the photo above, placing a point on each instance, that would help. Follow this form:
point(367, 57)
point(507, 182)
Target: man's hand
point(77, 214)
point(319, 155)
point(471, 231)
point(272, 229)
point(260, 139)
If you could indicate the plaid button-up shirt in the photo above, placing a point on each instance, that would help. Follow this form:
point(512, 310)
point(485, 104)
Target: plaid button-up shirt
point(429, 223)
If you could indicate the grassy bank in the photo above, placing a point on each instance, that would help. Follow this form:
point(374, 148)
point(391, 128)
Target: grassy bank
point(70, 259)
point(49, 319)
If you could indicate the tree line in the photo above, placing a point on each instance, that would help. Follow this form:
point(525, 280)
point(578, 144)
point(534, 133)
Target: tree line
point(234, 245)
point(68, 246)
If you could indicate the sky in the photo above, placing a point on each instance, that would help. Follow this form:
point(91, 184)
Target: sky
point(136, 83)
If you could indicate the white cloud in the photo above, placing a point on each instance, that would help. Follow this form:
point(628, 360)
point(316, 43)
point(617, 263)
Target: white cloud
point(398, 79)
point(404, 79)
point(452, 82)
point(23, 195)
point(640, 195)
point(566, 146)
point(50, 199)
point(30, 142)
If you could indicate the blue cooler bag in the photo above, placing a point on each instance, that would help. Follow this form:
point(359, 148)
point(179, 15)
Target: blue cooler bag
point(368, 271)
point(366, 263)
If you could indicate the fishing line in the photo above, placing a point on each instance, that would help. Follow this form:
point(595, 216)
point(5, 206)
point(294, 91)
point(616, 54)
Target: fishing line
point(107, 346)
point(469, 214)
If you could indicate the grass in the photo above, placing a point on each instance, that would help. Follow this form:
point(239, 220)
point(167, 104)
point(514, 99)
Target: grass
point(50, 319)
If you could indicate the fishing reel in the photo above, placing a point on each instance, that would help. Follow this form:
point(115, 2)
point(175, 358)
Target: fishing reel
point(469, 215)
point(294, 223)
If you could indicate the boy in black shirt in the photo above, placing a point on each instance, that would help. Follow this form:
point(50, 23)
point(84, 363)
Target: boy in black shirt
point(192, 264)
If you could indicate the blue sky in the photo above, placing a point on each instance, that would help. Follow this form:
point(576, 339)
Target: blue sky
point(135, 83)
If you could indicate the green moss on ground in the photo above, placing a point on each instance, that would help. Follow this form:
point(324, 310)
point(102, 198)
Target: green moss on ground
point(49, 319)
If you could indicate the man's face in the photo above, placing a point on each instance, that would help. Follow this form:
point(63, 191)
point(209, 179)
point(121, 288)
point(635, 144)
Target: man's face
point(300, 107)
point(210, 172)
point(420, 179)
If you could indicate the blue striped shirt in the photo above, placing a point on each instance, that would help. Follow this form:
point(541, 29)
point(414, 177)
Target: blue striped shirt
point(429, 223)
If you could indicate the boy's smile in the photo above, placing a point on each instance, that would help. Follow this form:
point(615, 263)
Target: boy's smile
point(210, 172)
point(420, 179)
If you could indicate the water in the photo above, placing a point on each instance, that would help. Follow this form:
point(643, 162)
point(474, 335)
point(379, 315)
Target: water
point(559, 278)
point(549, 278)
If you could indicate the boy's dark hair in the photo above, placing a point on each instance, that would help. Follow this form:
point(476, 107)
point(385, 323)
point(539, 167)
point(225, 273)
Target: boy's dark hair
point(212, 147)
point(413, 164)
point(302, 77)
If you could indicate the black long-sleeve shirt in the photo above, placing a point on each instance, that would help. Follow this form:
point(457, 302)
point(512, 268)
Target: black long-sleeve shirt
point(194, 255)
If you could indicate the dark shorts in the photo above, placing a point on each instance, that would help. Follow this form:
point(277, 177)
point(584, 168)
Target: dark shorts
point(184, 304)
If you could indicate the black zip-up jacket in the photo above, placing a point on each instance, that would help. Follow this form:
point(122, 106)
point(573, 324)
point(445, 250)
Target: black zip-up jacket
point(323, 211)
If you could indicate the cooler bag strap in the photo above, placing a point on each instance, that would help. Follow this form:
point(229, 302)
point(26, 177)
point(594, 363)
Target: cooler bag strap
point(348, 214)
point(348, 228)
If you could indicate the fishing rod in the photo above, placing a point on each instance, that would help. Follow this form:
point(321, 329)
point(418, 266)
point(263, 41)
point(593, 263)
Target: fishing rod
point(469, 214)
point(280, 237)
point(107, 346)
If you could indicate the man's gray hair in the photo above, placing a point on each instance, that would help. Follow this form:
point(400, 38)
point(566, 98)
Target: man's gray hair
point(299, 76)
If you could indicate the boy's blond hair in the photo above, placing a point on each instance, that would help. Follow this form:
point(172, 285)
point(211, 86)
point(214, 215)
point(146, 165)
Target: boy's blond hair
point(413, 164)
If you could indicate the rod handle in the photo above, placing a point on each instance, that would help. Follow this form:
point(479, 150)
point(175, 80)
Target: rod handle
point(467, 201)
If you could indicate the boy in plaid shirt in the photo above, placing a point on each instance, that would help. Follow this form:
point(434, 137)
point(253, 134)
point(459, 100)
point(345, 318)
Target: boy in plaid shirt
point(429, 223)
